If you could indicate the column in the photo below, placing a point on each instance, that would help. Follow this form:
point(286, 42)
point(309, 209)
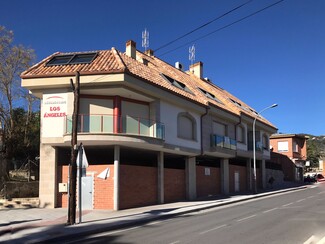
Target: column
point(225, 176)
point(160, 166)
point(116, 177)
point(190, 167)
point(263, 171)
point(117, 114)
point(249, 174)
point(48, 176)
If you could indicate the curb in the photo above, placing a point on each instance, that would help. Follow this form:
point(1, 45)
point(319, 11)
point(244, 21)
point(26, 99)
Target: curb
point(147, 219)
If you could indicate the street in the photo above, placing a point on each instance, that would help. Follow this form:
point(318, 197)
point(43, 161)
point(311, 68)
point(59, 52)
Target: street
point(294, 217)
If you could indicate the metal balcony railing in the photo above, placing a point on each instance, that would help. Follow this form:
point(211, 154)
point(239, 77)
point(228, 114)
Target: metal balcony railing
point(110, 124)
point(223, 141)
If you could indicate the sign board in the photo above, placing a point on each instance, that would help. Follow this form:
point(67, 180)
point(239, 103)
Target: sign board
point(54, 111)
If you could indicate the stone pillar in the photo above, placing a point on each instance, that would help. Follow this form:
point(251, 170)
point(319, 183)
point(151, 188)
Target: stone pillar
point(190, 168)
point(160, 166)
point(116, 177)
point(263, 172)
point(225, 176)
point(48, 176)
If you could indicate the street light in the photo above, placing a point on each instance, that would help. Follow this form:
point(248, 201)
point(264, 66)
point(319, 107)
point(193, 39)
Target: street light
point(254, 146)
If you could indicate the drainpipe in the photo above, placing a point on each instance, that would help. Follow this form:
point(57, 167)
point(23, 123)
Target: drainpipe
point(206, 112)
point(236, 127)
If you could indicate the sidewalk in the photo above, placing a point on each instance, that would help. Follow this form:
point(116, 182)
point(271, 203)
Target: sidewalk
point(36, 225)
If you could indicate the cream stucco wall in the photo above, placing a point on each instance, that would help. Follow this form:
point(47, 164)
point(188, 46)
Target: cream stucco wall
point(168, 115)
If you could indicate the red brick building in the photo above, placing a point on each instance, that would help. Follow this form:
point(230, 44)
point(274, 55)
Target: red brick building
point(290, 150)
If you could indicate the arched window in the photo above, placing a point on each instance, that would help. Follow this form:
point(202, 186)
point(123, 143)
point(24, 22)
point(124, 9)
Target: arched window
point(240, 137)
point(186, 126)
point(265, 142)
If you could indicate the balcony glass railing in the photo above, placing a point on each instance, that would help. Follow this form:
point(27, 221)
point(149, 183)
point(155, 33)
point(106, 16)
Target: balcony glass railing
point(223, 141)
point(98, 123)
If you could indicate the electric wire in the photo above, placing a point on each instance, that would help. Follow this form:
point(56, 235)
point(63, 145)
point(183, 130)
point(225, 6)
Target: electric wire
point(224, 27)
point(200, 27)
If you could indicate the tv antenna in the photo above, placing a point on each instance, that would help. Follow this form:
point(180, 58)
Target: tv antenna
point(191, 55)
point(145, 39)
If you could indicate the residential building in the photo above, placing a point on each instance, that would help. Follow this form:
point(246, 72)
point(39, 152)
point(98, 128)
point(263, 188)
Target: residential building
point(290, 150)
point(160, 133)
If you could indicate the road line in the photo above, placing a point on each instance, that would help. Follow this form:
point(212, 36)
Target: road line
point(252, 216)
point(218, 227)
point(272, 209)
point(286, 205)
point(174, 242)
point(310, 197)
point(322, 241)
point(310, 240)
point(118, 231)
point(301, 200)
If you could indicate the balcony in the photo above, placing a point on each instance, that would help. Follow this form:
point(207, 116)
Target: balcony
point(258, 146)
point(223, 141)
point(109, 124)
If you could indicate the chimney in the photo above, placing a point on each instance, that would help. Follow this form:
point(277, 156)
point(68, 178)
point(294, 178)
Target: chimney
point(149, 52)
point(131, 49)
point(197, 69)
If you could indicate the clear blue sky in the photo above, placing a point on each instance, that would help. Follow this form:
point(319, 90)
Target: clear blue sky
point(276, 56)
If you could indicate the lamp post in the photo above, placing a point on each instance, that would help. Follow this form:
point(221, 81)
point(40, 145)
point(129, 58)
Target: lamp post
point(254, 143)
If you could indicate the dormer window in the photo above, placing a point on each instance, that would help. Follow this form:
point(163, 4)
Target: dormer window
point(235, 102)
point(209, 95)
point(81, 58)
point(176, 83)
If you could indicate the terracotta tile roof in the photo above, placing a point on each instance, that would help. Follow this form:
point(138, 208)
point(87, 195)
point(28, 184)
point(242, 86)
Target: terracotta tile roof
point(105, 62)
point(150, 69)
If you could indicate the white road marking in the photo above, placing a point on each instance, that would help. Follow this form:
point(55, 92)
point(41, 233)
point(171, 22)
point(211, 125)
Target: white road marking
point(310, 240)
point(313, 239)
point(286, 205)
point(310, 197)
point(270, 210)
point(301, 200)
point(174, 242)
point(322, 192)
point(249, 217)
point(218, 227)
point(322, 241)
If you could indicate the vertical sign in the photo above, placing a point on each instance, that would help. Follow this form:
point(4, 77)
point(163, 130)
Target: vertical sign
point(54, 111)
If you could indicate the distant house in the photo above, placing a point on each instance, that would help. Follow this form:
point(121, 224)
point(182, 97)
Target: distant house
point(290, 150)
point(160, 133)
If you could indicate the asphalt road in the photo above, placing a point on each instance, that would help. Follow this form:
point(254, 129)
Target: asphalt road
point(294, 217)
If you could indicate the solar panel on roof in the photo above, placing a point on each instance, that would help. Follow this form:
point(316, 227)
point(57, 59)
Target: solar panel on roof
point(81, 58)
point(60, 60)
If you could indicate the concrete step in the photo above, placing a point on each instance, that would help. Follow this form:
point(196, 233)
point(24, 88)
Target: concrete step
point(19, 203)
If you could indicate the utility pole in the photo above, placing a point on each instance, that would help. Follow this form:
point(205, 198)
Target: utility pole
point(73, 164)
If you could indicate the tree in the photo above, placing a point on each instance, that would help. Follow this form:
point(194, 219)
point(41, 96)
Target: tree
point(13, 60)
point(314, 147)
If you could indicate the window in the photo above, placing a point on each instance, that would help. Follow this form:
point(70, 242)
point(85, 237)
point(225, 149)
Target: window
point(186, 126)
point(81, 58)
point(265, 142)
point(235, 102)
point(295, 146)
point(176, 83)
point(209, 95)
point(219, 129)
point(283, 146)
point(240, 134)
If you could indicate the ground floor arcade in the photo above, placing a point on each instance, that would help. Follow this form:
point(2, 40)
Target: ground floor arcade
point(138, 177)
